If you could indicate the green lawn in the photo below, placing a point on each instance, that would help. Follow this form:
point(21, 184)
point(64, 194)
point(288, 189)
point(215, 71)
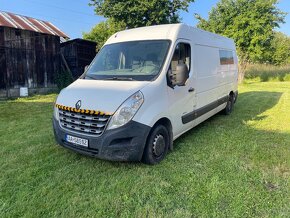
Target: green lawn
point(229, 166)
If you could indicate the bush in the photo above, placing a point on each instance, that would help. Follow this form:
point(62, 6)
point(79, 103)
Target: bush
point(264, 77)
point(63, 79)
point(287, 77)
point(281, 77)
point(267, 72)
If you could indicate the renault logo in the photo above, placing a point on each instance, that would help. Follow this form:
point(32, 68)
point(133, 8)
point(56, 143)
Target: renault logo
point(78, 104)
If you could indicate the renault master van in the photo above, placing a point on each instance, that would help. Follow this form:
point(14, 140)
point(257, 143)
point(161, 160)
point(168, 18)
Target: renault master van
point(144, 89)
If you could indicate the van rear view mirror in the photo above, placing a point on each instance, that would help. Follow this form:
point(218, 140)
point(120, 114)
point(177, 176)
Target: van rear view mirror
point(180, 75)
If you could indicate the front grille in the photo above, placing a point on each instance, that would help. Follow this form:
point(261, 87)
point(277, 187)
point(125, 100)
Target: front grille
point(83, 123)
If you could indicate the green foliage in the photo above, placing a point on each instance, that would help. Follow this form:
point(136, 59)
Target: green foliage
point(63, 79)
point(265, 77)
point(137, 13)
point(249, 22)
point(287, 77)
point(281, 49)
point(102, 31)
point(131, 14)
point(267, 72)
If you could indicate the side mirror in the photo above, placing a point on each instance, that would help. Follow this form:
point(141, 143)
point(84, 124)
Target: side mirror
point(86, 68)
point(180, 76)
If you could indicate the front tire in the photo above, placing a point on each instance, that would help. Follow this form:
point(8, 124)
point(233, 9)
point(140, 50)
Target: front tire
point(157, 145)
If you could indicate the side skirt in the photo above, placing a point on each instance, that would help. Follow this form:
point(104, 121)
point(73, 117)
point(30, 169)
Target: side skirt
point(203, 110)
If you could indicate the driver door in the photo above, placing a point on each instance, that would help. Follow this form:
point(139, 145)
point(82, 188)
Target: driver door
point(182, 98)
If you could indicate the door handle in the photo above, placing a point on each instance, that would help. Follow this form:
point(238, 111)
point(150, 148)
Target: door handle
point(191, 89)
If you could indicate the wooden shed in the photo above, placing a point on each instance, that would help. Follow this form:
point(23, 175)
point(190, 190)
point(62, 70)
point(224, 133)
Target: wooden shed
point(29, 54)
point(78, 53)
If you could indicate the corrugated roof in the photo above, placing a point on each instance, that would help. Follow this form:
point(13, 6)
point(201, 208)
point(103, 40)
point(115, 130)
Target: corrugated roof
point(8, 19)
point(78, 40)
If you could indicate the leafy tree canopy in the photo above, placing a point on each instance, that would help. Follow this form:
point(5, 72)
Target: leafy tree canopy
point(136, 13)
point(250, 23)
point(281, 49)
point(102, 31)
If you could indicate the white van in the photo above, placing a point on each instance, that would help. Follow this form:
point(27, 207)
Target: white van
point(145, 88)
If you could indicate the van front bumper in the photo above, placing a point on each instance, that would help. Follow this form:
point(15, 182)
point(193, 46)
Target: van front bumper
point(125, 143)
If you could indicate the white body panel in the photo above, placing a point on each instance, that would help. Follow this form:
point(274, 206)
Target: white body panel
point(210, 79)
point(99, 95)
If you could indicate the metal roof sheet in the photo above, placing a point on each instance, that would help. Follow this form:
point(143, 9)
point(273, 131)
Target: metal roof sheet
point(8, 19)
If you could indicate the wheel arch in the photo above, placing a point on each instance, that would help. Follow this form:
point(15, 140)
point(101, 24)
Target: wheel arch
point(167, 123)
point(234, 95)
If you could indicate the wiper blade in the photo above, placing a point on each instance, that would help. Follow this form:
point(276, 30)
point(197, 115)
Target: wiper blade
point(90, 77)
point(120, 78)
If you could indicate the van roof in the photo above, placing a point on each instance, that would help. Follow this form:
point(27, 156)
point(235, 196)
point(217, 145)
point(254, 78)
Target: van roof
point(169, 32)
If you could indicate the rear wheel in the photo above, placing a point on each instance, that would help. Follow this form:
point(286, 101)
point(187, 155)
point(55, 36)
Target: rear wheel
point(156, 146)
point(230, 105)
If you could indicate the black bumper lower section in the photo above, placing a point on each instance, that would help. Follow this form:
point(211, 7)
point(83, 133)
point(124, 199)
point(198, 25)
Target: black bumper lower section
point(122, 144)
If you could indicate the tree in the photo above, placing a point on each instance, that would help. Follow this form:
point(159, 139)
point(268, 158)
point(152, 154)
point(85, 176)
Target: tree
point(281, 49)
point(102, 31)
point(137, 13)
point(250, 23)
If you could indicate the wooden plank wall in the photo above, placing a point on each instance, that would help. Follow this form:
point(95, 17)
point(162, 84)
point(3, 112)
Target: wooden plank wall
point(70, 54)
point(2, 60)
point(78, 53)
point(86, 52)
point(31, 58)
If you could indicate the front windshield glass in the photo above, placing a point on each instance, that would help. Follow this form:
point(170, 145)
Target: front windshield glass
point(136, 60)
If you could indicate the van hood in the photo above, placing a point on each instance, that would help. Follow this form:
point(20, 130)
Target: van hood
point(100, 95)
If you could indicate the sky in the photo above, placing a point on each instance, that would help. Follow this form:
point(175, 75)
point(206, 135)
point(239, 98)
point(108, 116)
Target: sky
point(76, 17)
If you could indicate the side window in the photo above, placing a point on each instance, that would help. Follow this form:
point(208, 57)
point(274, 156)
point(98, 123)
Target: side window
point(226, 57)
point(182, 54)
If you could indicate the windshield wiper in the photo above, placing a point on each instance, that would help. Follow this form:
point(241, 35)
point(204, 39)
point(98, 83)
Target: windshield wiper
point(90, 77)
point(120, 78)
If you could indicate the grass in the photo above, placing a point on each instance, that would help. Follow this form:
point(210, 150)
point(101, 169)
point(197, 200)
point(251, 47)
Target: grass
point(229, 166)
point(267, 72)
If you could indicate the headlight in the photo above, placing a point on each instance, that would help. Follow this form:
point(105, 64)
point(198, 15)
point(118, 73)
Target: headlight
point(55, 112)
point(127, 110)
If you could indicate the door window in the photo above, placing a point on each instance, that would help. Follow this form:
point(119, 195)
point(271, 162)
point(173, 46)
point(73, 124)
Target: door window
point(182, 54)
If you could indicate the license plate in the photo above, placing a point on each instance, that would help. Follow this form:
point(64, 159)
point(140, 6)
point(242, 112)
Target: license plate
point(77, 141)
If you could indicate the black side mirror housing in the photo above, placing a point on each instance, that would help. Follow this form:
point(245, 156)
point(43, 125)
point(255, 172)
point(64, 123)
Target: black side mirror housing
point(180, 76)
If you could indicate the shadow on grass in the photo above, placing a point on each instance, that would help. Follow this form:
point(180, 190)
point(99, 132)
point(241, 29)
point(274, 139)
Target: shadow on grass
point(249, 106)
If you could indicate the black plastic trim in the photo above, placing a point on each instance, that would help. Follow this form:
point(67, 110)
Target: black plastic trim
point(236, 96)
point(125, 143)
point(203, 110)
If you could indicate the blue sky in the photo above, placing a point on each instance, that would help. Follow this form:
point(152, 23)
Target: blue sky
point(76, 17)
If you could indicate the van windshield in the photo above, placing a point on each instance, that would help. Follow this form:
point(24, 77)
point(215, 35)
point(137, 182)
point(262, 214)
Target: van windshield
point(135, 60)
